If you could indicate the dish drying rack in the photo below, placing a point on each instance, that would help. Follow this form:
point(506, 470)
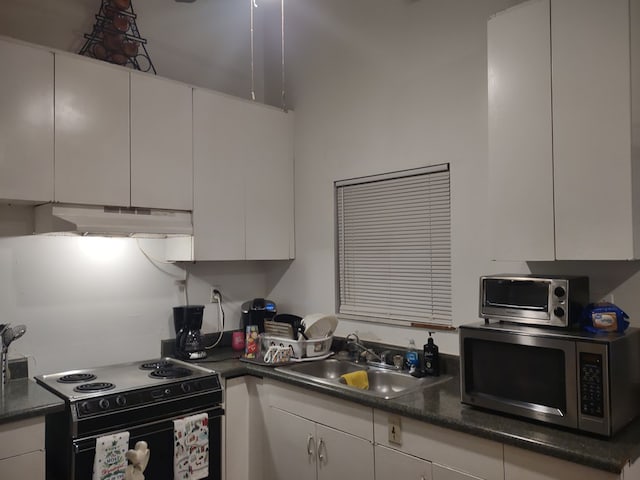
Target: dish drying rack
point(281, 334)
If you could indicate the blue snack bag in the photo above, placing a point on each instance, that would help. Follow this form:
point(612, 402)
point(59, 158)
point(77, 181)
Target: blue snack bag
point(604, 317)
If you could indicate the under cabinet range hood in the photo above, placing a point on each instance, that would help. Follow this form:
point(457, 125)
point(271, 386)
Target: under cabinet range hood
point(111, 221)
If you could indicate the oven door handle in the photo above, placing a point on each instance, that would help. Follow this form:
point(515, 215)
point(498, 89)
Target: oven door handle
point(89, 443)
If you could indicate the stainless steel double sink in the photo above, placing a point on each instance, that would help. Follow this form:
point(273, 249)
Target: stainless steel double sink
point(384, 383)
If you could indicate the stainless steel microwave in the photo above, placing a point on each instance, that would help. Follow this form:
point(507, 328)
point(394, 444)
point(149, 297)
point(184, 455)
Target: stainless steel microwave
point(589, 382)
point(551, 300)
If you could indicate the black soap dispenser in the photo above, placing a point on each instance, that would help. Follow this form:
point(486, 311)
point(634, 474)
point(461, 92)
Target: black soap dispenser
point(431, 358)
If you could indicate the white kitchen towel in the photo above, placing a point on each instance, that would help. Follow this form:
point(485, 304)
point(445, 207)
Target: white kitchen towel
point(109, 462)
point(191, 447)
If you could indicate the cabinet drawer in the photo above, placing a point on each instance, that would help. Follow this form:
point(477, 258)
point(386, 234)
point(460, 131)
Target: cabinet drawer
point(21, 437)
point(28, 466)
point(466, 453)
point(323, 409)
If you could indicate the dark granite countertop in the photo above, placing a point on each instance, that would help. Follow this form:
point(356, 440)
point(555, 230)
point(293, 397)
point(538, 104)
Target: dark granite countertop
point(440, 405)
point(24, 398)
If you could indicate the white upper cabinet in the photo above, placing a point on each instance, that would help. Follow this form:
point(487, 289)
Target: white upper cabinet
point(592, 146)
point(91, 132)
point(243, 179)
point(520, 146)
point(26, 123)
point(269, 185)
point(562, 141)
point(161, 143)
point(219, 152)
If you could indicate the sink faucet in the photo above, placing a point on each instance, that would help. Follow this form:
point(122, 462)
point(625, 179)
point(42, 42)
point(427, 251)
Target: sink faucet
point(353, 339)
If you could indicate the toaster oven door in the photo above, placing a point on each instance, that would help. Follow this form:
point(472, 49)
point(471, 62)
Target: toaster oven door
point(525, 375)
point(514, 299)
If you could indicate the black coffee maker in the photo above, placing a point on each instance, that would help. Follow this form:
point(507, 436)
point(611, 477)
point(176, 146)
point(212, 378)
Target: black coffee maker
point(187, 320)
point(256, 311)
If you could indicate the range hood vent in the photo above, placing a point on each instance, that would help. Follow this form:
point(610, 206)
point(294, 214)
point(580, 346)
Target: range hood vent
point(111, 221)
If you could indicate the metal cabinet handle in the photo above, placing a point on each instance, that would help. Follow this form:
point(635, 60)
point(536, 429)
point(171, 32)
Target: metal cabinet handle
point(310, 445)
point(321, 447)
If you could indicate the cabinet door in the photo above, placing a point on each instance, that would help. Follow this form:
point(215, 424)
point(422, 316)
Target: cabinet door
point(28, 466)
point(592, 129)
point(269, 190)
point(161, 143)
point(26, 123)
point(342, 456)
point(92, 132)
point(520, 181)
point(393, 465)
point(220, 151)
point(292, 447)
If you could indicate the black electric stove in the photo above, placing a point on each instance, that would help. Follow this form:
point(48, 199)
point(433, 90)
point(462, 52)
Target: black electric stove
point(142, 398)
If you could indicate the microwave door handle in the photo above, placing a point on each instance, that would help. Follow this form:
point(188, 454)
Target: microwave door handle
point(534, 407)
point(522, 307)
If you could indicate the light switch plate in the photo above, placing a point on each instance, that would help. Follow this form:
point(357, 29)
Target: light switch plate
point(395, 430)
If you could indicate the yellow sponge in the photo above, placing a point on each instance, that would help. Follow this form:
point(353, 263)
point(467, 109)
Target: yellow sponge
point(357, 379)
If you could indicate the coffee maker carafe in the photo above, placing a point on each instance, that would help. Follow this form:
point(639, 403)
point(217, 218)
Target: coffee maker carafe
point(187, 320)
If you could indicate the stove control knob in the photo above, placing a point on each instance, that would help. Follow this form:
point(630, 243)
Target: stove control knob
point(103, 403)
point(167, 391)
point(121, 401)
point(185, 387)
point(84, 407)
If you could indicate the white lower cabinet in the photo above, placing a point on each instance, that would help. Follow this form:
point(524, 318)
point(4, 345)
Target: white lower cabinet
point(315, 437)
point(303, 449)
point(22, 449)
point(391, 464)
point(278, 431)
point(452, 453)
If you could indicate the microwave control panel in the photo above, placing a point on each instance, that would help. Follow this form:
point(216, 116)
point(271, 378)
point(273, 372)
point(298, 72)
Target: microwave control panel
point(591, 383)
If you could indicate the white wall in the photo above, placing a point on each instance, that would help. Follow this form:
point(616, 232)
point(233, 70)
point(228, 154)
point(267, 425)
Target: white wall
point(94, 301)
point(205, 43)
point(377, 85)
point(382, 85)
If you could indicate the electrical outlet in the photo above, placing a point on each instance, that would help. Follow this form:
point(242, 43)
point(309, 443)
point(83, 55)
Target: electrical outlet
point(395, 430)
point(607, 298)
point(214, 298)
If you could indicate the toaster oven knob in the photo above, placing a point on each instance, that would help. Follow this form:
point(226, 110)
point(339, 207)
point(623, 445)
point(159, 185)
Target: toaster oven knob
point(103, 403)
point(560, 292)
point(558, 312)
point(121, 401)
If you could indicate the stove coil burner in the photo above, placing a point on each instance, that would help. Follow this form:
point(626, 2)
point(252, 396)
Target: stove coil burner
point(77, 378)
point(157, 364)
point(94, 387)
point(170, 372)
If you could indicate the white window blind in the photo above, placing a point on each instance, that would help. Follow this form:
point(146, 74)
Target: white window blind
point(394, 247)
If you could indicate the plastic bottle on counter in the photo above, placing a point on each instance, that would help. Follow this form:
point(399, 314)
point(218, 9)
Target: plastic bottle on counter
point(411, 357)
point(431, 358)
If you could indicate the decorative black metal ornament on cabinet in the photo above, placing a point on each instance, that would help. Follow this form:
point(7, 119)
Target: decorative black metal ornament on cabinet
point(115, 37)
